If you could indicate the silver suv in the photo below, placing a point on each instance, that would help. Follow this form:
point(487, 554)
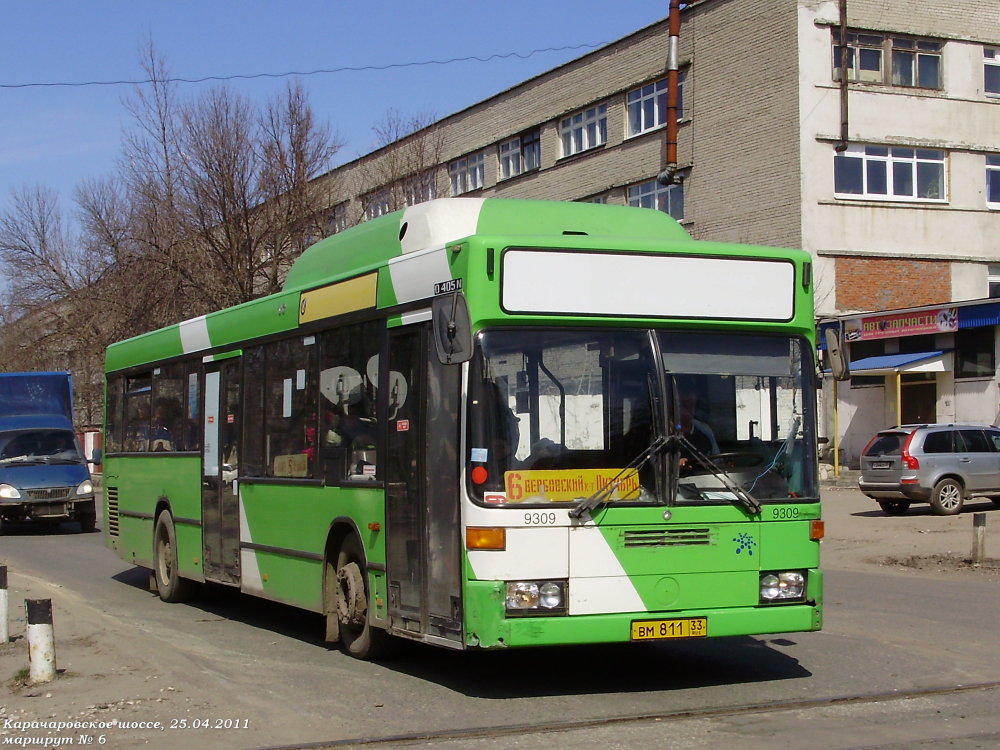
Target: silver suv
point(942, 464)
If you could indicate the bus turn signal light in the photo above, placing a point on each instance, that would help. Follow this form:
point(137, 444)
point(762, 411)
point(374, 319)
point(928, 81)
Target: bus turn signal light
point(485, 538)
point(817, 530)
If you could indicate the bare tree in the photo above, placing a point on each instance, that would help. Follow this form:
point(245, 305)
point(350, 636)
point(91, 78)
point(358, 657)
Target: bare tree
point(53, 323)
point(213, 200)
point(405, 166)
point(216, 193)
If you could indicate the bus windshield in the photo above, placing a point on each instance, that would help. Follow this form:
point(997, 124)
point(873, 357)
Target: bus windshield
point(555, 415)
point(743, 408)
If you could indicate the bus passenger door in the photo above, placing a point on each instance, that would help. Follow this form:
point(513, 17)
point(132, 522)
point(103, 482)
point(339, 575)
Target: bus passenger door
point(422, 402)
point(220, 504)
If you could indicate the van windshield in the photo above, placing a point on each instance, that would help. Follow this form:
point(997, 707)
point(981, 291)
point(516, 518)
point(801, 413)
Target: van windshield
point(19, 447)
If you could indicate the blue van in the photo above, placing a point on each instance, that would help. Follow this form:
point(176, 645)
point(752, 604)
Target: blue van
point(43, 473)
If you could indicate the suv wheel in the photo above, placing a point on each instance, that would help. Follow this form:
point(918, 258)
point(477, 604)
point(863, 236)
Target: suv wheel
point(948, 497)
point(894, 507)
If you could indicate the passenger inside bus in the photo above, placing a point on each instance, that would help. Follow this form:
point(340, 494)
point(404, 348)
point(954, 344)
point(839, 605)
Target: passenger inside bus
point(698, 433)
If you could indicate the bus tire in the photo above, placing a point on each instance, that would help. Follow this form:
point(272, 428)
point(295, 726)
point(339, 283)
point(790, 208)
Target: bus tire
point(357, 636)
point(169, 584)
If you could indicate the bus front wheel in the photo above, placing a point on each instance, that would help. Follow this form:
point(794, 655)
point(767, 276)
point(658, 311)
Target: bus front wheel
point(169, 584)
point(358, 638)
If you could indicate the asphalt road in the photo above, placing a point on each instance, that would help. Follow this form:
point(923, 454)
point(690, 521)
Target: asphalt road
point(908, 657)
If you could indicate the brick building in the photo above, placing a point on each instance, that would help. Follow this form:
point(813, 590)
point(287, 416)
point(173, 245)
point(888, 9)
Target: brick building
point(889, 175)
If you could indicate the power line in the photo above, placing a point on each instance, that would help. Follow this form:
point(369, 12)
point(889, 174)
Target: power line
point(344, 69)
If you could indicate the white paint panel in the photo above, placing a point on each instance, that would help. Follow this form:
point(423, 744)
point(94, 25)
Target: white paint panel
point(194, 335)
point(413, 276)
point(419, 316)
point(538, 552)
point(250, 580)
point(598, 596)
point(598, 582)
point(669, 286)
point(438, 222)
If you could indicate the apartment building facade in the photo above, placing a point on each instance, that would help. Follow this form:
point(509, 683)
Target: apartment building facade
point(882, 161)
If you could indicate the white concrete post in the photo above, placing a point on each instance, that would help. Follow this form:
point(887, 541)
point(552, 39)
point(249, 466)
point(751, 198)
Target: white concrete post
point(4, 632)
point(978, 539)
point(41, 643)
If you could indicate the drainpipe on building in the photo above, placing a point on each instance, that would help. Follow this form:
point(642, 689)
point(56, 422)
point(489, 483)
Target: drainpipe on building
point(842, 145)
point(669, 175)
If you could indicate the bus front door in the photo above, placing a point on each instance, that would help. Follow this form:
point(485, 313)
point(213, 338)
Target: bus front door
point(422, 401)
point(220, 504)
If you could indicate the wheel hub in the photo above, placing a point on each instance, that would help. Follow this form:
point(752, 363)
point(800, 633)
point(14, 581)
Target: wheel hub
point(351, 604)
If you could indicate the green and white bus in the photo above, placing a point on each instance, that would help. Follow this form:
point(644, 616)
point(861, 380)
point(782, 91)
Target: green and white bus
point(487, 423)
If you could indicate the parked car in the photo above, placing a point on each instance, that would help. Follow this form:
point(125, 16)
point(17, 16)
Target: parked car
point(942, 464)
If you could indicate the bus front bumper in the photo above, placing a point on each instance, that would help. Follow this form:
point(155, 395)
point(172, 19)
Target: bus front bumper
point(640, 627)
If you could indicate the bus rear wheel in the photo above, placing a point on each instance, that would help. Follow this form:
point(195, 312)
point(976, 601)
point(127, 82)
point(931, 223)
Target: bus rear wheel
point(169, 584)
point(357, 637)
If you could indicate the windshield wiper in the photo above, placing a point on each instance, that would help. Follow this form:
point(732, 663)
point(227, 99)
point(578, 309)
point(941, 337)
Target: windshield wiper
point(605, 491)
point(21, 460)
point(740, 495)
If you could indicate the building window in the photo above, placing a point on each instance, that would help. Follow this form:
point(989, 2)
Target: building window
point(336, 220)
point(975, 353)
point(993, 180)
point(890, 173)
point(991, 71)
point(420, 188)
point(467, 174)
point(378, 203)
point(913, 62)
point(584, 130)
point(666, 198)
point(993, 280)
point(521, 154)
point(647, 106)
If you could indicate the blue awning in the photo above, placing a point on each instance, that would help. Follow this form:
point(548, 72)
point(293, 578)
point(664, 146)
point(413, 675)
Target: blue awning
point(886, 364)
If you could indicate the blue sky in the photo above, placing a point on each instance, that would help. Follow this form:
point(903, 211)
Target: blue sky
point(56, 136)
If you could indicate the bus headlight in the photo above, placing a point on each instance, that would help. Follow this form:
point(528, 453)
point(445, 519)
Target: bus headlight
point(7, 492)
point(536, 597)
point(782, 586)
point(86, 488)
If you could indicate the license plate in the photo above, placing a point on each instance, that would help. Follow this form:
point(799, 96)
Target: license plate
point(881, 464)
point(48, 510)
point(683, 627)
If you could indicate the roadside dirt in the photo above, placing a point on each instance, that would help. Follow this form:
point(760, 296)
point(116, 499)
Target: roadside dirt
point(859, 535)
point(111, 689)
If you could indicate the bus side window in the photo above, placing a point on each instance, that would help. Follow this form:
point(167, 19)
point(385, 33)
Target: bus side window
point(290, 408)
point(348, 379)
point(137, 404)
point(113, 418)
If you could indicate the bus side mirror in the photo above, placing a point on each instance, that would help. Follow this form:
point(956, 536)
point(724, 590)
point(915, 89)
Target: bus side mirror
point(452, 328)
point(835, 355)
